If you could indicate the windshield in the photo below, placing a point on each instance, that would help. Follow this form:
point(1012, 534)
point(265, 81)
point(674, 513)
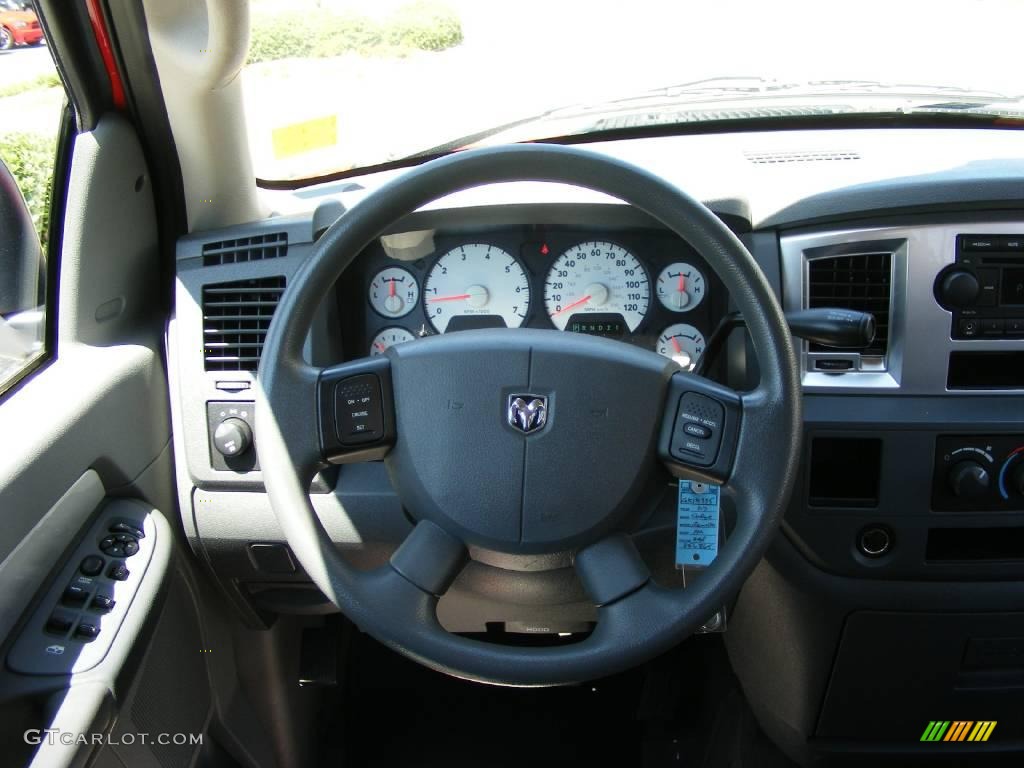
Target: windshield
point(332, 85)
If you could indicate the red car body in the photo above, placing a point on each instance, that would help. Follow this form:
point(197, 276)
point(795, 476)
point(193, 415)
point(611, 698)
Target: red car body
point(23, 26)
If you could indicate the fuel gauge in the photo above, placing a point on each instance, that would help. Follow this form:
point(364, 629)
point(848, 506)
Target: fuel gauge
point(680, 287)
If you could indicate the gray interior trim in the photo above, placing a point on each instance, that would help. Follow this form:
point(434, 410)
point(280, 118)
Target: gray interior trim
point(88, 691)
point(919, 339)
point(20, 571)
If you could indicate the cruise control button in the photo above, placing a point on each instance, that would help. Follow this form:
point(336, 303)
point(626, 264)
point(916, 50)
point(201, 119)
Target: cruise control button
point(358, 409)
point(697, 430)
point(697, 414)
point(118, 571)
point(87, 631)
point(91, 565)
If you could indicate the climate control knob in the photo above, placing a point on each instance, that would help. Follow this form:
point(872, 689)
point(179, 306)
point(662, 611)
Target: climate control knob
point(969, 479)
point(1016, 483)
point(959, 288)
point(232, 437)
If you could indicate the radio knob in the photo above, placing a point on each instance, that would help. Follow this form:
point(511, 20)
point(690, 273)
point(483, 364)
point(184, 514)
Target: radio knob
point(959, 288)
point(969, 479)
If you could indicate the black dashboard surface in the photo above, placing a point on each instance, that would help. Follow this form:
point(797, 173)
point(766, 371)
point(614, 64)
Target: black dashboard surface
point(543, 294)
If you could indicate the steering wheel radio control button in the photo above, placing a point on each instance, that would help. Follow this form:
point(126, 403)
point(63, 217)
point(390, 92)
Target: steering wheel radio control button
point(359, 413)
point(698, 429)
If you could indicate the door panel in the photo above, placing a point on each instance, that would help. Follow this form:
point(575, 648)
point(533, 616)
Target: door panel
point(91, 425)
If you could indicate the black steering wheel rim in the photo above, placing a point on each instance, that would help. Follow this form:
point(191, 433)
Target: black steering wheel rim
point(637, 619)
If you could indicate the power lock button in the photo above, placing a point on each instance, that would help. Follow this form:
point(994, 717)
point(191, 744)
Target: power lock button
point(358, 410)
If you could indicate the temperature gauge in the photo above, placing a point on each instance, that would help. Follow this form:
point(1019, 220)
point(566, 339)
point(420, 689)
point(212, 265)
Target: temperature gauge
point(388, 338)
point(680, 287)
point(393, 292)
point(682, 343)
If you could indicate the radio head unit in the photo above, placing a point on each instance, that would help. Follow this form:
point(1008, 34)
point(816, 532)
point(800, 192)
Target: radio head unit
point(984, 287)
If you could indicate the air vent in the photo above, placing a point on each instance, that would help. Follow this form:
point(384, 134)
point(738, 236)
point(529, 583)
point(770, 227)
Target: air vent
point(783, 158)
point(235, 321)
point(862, 282)
point(676, 117)
point(242, 249)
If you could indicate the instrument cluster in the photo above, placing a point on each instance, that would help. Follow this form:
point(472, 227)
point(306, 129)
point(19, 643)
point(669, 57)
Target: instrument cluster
point(642, 286)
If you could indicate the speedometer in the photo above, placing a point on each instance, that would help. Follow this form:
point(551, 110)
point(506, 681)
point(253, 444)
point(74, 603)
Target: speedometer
point(476, 286)
point(597, 278)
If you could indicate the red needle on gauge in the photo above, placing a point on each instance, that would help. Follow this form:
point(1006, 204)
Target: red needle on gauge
point(379, 346)
point(459, 297)
point(682, 282)
point(391, 288)
point(675, 343)
point(575, 304)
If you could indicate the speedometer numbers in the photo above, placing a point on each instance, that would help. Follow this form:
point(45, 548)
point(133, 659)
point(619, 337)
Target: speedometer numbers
point(476, 286)
point(597, 278)
point(682, 343)
point(680, 287)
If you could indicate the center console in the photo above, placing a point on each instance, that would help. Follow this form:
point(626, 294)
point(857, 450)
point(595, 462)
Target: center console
point(914, 464)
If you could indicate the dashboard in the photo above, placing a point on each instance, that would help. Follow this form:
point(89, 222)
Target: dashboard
point(642, 286)
point(901, 554)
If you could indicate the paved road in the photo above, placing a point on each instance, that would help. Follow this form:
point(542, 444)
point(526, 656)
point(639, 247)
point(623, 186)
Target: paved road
point(24, 64)
point(35, 111)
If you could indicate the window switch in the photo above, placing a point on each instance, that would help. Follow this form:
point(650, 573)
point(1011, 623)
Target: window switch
point(87, 631)
point(75, 594)
point(102, 603)
point(58, 625)
point(118, 571)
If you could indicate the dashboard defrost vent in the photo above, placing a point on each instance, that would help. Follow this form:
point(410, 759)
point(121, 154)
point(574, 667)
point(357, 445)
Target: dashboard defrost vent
point(784, 158)
point(236, 317)
point(242, 249)
point(676, 117)
point(862, 282)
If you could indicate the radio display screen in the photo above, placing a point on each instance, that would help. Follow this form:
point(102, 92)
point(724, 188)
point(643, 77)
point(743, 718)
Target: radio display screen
point(1013, 286)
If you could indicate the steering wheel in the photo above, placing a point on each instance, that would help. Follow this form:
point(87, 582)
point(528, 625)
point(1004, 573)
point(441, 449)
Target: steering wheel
point(527, 441)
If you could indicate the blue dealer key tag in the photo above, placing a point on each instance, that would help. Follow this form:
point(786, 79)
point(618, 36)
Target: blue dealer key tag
point(697, 524)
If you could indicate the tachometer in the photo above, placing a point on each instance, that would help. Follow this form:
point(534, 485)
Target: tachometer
point(476, 286)
point(597, 278)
